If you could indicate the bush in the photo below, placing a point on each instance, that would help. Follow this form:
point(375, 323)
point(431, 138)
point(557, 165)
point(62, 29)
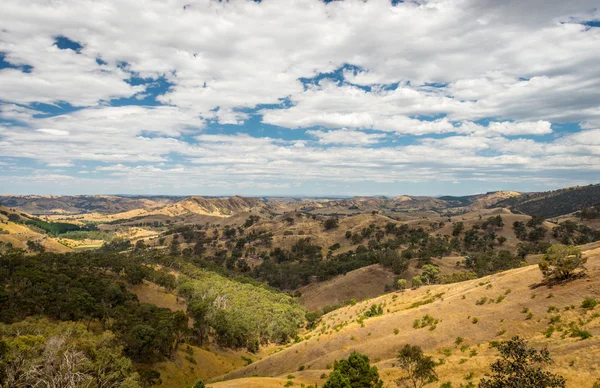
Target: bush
point(589, 303)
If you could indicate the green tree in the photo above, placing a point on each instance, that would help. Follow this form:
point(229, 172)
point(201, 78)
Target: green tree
point(520, 366)
point(562, 262)
point(417, 281)
point(330, 223)
point(457, 228)
point(420, 369)
point(430, 273)
point(199, 384)
point(355, 372)
point(401, 284)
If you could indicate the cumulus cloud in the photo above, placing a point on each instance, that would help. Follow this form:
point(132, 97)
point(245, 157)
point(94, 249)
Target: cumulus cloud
point(420, 91)
point(345, 136)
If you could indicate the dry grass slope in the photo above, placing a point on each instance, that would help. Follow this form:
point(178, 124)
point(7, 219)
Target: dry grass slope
point(456, 309)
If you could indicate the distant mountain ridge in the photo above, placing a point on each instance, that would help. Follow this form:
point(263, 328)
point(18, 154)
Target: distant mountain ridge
point(50, 204)
point(546, 204)
point(554, 203)
point(228, 206)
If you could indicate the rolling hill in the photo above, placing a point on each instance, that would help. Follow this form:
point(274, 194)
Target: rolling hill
point(554, 203)
point(49, 204)
point(469, 317)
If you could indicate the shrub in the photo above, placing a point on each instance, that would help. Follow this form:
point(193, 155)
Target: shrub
point(589, 303)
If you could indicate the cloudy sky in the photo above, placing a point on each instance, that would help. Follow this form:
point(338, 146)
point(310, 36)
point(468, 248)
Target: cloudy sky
point(292, 97)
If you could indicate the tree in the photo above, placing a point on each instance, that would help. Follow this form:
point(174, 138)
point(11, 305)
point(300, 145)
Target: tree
point(562, 262)
point(140, 245)
point(519, 366)
point(417, 281)
point(401, 284)
point(430, 272)
point(330, 223)
point(199, 384)
point(458, 228)
point(35, 246)
point(420, 369)
point(355, 372)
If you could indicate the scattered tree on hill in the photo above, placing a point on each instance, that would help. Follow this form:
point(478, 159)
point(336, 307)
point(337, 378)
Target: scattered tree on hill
point(355, 372)
point(430, 273)
point(562, 262)
point(140, 245)
point(520, 366)
point(199, 384)
point(401, 284)
point(494, 222)
point(535, 221)
point(458, 228)
point(330, 223)
point(520, 230)
point(417, 281)
point(35, 246)
point(420, 369)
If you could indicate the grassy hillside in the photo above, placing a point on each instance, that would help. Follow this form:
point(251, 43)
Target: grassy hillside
point(515, 309)
point(17, 234)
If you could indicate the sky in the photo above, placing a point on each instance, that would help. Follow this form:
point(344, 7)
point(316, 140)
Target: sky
point(298, 97)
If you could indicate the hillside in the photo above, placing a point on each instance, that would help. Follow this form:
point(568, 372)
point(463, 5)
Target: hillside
point(218, 207)
point(18, 234)
point(554, 203)
point(455, 307)
point(102, 208)
point(46, 205)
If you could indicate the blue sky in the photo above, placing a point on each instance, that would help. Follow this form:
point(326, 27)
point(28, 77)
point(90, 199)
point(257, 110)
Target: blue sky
point(298, 98)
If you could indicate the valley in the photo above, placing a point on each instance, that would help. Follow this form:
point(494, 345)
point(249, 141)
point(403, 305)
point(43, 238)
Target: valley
point(269, 292)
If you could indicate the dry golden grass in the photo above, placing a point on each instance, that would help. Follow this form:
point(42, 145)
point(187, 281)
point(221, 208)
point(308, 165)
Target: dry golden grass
point(18, 235)
point(185, 368)
point(575, 359)
point(363, 283)
point(148, 292)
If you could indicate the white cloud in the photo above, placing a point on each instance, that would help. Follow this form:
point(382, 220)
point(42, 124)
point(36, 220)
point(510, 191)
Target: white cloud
point(428, 72)
point(346, 136)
